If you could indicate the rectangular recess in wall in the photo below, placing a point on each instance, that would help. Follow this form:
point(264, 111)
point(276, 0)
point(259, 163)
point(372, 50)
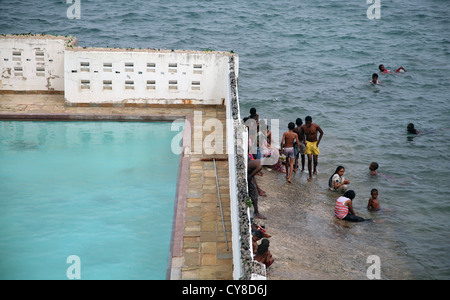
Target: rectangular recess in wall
point(107, 67)
point(17, 55)
point(151, 67)
point(173, 67)
point(107, 84)
point(129, 67)
point(85, 84)
point(39, 55)
point(18, 71)
point(198, 69)
point(151, 84)
point(40, 71)
point(173, 85)
point(84, 66)
point(129, 84)
point(195, 85)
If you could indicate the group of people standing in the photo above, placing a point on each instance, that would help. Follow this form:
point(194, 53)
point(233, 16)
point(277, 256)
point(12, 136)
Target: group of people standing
point(306, 138)
point(301, 141)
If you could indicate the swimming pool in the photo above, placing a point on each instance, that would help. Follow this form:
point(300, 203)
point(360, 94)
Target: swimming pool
point(102, 191)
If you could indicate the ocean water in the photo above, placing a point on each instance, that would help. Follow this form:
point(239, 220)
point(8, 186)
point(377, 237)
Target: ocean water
point(103, 191)
point(300, 58)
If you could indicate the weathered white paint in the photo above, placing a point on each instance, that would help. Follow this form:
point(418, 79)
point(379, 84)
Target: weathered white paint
point(33, 62)
point(102, 75)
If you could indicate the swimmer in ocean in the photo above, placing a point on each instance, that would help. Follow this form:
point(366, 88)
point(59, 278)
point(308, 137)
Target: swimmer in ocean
point(375, 79)
point(373, 168)
point(386, 71)
point(410, 128)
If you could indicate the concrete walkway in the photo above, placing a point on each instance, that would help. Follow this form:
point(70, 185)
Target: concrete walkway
point(204, 253)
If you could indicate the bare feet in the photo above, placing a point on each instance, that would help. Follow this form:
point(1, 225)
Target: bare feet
point(262, 193)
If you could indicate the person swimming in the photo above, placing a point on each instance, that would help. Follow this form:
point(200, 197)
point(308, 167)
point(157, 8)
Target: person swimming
point(410, 128)
point(386, 71)
point(375, 79)
point(373, 168)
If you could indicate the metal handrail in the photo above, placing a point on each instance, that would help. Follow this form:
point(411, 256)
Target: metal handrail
point(220, 203)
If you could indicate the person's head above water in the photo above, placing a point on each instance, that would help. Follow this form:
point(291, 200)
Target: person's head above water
point(373, 166)
point(410, 128)
point(382, 68)
point(375, 78)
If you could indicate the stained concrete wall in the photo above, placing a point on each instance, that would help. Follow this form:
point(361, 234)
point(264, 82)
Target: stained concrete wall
point(33, 62)
point(100, 75)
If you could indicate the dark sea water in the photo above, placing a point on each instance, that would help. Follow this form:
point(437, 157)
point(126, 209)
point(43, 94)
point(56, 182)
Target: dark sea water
point(309, 57)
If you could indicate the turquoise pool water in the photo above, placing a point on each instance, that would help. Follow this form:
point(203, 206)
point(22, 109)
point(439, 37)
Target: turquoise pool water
point(103, 191)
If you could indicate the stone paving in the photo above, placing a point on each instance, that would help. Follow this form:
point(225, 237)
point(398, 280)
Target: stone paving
point(203, 253)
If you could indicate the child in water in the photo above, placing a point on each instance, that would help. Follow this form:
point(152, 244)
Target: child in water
point(373, 204)
point(375, 79)
point(373, 168)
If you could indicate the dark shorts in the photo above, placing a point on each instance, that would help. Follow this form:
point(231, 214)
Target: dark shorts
point(252, 189)
point(353, 218)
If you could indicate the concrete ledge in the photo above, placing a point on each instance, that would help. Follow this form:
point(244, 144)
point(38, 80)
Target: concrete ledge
point(176, 242)
point(87, 117)
point(36, 92)
point(182, 104)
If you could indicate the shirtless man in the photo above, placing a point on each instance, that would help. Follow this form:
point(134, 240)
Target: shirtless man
point(253, 167)
point(309, 131)
point(287, 143)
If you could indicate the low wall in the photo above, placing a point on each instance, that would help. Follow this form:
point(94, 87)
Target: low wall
point(33, 62)
point(47, 63)
point(237, 141)
point(105, 75)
